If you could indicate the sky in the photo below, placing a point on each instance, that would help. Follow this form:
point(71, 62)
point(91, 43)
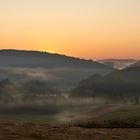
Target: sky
point(92, 29)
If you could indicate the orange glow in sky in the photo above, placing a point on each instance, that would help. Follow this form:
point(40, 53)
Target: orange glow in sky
point(93, 29)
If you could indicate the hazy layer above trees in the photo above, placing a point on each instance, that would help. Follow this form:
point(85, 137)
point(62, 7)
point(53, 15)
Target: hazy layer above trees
point(60, 71)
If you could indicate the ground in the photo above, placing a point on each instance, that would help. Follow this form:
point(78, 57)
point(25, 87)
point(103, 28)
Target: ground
point(22, 131)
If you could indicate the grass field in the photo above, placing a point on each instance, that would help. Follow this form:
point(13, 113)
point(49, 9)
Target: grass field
point(26, 118)
point(63, 125)
point(78, 113)
point(128, 113)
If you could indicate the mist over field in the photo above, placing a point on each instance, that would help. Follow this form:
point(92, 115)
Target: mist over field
point(61, 78)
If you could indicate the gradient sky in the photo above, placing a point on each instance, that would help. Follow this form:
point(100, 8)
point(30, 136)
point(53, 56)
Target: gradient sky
point(85, 28)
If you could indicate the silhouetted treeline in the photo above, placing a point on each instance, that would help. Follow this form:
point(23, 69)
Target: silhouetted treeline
point(30, 88)
point(111, 124)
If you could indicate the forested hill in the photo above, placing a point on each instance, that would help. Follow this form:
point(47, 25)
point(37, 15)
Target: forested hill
point(121, 83)
point(22, 58)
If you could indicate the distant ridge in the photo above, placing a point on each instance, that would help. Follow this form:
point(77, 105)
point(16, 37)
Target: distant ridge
point(137, 64)
point(118, 63)
point(24, 58)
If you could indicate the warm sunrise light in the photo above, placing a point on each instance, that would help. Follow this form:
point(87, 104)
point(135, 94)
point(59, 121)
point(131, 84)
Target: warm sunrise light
point(84, 28)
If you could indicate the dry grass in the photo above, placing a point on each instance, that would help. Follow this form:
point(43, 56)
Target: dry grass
point(13, 131)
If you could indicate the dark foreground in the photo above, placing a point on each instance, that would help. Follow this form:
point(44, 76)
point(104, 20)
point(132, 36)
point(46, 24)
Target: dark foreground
point(18, 131)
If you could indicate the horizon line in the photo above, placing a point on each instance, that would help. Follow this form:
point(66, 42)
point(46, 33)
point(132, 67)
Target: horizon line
point(94, 59)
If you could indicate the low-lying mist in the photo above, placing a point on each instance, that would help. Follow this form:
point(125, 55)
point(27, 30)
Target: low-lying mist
point(61, 108)
point(47, 93)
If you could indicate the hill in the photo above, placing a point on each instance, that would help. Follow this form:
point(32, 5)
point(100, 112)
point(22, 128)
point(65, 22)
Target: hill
point(115, 85)
point(59, 71)
point(22, 58)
